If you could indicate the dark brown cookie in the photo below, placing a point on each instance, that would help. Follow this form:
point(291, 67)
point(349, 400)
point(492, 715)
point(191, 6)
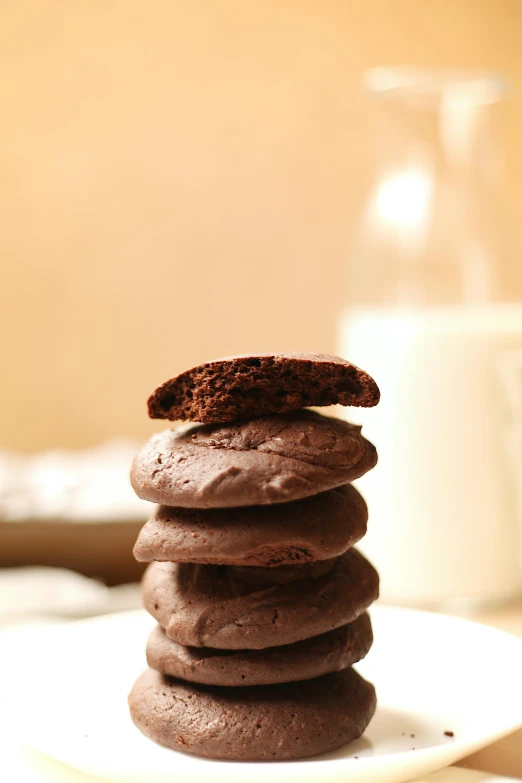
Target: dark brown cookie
point(273, 459)
point(242, 387)
point(260, 723)
point(317, 528)
point(330, 652)
point(237, 608)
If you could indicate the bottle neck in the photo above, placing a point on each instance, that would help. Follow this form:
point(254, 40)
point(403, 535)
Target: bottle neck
point(454, 139)
point(434, 230)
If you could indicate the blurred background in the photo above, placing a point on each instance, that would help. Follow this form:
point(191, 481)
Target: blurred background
point(186, 179)
point(182, 181)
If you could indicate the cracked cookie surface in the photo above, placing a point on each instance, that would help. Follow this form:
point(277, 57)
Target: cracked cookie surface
point(258, 723)
point(273, 459)
point(329, 652)
point(315, 528)
point(240, 608)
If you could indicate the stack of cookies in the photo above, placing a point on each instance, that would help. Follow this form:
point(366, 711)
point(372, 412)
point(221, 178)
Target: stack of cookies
point(259, 595)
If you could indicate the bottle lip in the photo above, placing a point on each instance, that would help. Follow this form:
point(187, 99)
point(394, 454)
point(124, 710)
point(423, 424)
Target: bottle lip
point(408, 82)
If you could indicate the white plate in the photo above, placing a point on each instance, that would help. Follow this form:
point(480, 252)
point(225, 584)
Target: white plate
point(433, 674)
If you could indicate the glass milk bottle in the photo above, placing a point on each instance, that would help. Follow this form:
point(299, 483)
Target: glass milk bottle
point(434, 313)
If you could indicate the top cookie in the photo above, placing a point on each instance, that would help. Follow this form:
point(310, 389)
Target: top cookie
point(260, 385)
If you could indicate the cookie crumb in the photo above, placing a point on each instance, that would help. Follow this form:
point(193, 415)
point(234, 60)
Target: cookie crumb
point(449, 734)
point(412, 735)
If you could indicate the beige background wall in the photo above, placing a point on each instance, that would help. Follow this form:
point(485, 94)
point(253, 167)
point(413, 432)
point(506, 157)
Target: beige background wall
point(180, 180)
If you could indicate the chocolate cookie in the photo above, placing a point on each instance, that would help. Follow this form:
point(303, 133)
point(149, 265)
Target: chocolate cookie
point(273, 459)
point(330, 652)
point(317, 528)
point(236, 608)
point(260, 723)
point(246, 386)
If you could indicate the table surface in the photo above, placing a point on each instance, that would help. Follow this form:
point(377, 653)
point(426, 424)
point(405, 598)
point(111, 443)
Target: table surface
point(503, 757)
